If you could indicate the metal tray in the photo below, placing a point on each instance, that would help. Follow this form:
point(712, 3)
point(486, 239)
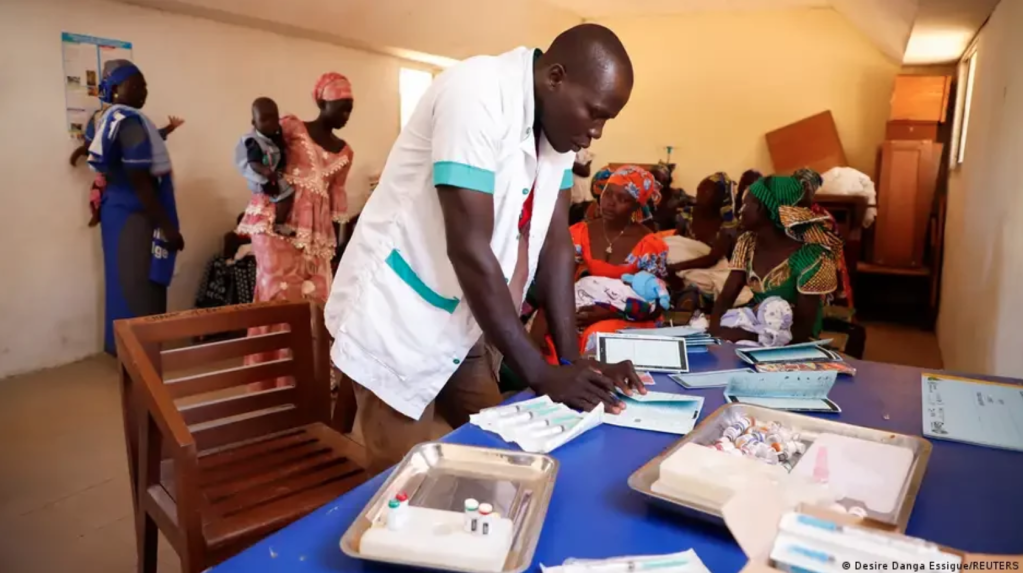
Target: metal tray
point(708, 431)
point(440, 476)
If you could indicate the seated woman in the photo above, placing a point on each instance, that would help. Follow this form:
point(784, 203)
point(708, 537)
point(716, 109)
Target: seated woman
point(704, 240)
point(616, 243)
point(785, 252)
point(711, 220)
point(812, 182)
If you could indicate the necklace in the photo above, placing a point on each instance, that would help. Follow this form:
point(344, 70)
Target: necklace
point(610, 243)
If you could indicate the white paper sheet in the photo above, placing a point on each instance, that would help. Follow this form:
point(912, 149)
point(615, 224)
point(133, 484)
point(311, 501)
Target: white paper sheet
point(643, 351)
point(973, 411)
point(658, 412)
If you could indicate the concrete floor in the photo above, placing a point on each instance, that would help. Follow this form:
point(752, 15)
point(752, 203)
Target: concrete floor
point(64, 493)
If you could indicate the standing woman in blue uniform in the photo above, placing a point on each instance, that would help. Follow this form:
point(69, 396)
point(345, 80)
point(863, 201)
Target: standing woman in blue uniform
point(139, 218)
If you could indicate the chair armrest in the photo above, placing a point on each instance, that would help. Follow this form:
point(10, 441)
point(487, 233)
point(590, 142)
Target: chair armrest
point(155, 397)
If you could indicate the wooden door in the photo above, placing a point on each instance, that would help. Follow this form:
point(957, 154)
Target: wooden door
point(909, 174)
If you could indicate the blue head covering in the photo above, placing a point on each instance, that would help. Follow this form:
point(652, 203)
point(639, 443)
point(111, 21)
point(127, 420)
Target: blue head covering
point(115, 73)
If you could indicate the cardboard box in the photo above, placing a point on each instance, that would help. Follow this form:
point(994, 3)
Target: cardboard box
point(753, 515)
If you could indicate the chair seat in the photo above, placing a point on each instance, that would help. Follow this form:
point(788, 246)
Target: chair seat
point(250, 491)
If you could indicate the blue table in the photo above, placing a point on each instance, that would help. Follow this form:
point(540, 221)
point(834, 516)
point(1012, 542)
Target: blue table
point(970, 499)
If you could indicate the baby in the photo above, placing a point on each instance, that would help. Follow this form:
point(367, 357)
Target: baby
point(260, 157)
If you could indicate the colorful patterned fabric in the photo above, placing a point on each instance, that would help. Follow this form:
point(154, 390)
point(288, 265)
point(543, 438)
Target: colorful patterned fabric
point(319, 178)
point(810, 270)
point(641, 184)
point(599, 182)
point(776, 192)
point(813, 269)
point(649, 254)
point(725, 188)
point(332, 86)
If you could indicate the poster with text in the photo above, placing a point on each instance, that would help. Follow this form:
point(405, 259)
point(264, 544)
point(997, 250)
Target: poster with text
point(84, 57)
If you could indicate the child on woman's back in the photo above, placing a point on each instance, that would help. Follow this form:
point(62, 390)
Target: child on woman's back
point(260, 158)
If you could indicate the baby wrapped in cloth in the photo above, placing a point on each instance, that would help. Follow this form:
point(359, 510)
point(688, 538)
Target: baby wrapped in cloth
point(708, 281)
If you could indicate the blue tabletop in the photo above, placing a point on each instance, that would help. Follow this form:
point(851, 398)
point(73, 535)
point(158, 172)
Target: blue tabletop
point(970, 498)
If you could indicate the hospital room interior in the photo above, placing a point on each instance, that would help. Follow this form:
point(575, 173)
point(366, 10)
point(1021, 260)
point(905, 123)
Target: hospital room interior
point(905, 115)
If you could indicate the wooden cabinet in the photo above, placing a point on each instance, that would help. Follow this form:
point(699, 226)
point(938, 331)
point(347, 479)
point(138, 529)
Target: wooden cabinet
point(909, 175)
point(920, 98)
point(912, 130)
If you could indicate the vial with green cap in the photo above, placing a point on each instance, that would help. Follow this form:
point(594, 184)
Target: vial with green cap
point(395, 515)
point(471, 515)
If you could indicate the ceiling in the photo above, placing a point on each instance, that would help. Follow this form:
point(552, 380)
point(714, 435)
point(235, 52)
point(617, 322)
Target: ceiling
point(604, 8)
point(913, 31)
point(944, 29)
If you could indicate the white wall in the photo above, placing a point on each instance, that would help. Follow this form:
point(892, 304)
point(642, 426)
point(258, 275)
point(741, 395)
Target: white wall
point(980, 326)
point(51, 308)
point(712, 84)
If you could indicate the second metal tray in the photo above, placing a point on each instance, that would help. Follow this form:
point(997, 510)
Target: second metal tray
point(441, 476)
point(709, 431)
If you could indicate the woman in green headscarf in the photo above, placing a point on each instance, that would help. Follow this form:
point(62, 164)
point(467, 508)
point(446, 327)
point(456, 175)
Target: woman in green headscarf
point(785, 251)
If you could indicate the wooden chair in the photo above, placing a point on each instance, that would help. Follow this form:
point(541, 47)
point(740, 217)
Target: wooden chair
point(216, 467)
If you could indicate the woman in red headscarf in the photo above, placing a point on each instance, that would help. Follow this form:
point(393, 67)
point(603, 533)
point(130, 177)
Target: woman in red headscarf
point(618, 242)
point(299, 267)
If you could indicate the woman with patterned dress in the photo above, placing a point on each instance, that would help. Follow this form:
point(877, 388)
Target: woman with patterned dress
point(787, 252)
point(299, 267)
point(617, 242)
point(140, 231)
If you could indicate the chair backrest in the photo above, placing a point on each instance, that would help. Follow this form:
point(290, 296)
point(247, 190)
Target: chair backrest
point(232, 389)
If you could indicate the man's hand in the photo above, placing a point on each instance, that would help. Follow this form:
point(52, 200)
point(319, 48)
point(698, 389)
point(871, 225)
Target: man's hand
point(589, 315)
point(579, 386)
point(623, 374)
point(173, 122)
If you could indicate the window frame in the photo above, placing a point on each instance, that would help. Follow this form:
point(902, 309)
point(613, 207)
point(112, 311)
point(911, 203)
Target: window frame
point(964, 105)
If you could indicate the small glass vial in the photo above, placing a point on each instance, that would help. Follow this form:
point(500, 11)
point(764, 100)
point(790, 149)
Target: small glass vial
point(472, 516)
point(486, 510)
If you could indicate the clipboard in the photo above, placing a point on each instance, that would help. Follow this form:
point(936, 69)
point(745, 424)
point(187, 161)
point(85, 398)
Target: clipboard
point(647, 353)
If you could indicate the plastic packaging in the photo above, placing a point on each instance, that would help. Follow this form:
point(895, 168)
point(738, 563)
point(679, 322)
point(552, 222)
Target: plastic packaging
point(537, 425)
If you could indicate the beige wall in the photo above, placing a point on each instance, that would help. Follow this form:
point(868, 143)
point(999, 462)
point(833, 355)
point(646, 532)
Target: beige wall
point(50, 261)
point(980, 326)
point(711, 85)
point(450, 28)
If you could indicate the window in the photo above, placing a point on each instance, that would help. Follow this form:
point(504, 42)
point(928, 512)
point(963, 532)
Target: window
point(967, 70)
point(412, 84)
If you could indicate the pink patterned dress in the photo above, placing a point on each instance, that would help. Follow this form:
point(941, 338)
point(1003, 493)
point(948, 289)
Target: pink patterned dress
point(298, 268)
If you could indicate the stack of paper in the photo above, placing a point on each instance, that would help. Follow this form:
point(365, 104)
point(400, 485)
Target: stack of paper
point(805, 357)
point(697, 340)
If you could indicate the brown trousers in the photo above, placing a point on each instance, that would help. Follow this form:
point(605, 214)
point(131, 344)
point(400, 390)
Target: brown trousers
point(389, 435)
